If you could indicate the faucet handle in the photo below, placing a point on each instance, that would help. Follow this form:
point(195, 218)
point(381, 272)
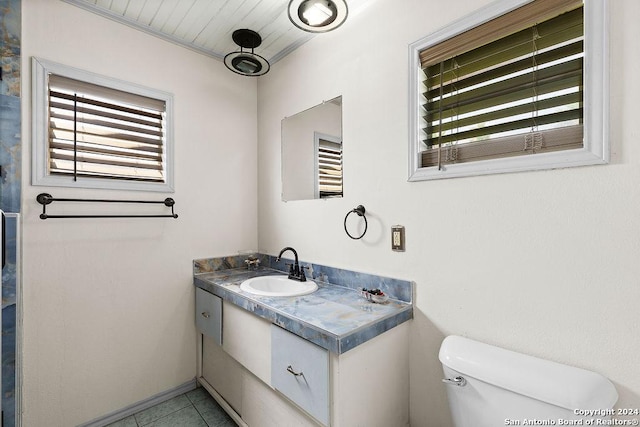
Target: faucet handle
point(302, 276)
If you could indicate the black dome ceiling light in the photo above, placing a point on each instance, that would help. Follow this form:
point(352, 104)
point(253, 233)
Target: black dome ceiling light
point(318, 16)
point(245, 62)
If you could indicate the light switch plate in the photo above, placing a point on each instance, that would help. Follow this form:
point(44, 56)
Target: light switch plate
point(397, 238)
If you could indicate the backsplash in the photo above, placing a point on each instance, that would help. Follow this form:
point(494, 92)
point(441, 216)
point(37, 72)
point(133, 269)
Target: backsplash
point(400, 290)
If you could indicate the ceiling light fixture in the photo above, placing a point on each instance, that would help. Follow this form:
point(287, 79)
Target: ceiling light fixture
point(318, 16)
point(245, 62)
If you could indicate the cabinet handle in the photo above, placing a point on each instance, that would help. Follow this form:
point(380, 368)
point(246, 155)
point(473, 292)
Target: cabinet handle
point(205, 314)
point(291, 371)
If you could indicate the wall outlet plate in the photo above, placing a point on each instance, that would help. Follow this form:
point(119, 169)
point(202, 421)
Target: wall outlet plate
point(397, 238)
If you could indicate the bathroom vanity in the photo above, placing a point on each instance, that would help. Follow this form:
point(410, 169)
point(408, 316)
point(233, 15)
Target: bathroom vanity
point(328, 358)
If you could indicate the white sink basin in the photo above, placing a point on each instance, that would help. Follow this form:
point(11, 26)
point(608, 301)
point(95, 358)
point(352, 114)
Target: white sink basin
point(277, 286)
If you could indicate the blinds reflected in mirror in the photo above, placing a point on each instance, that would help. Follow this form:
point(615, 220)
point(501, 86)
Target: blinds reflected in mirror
point(329, 167)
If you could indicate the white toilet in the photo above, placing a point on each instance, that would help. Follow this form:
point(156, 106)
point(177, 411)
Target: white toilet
point(488, 386)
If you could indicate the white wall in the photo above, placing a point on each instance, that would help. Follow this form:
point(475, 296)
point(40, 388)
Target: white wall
point(108, 304)
point(545, 263)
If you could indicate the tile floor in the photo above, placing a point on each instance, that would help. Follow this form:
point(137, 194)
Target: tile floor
point(193, 409)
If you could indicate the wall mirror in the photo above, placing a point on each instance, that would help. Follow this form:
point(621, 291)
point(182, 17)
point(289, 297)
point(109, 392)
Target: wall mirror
point(312, 153)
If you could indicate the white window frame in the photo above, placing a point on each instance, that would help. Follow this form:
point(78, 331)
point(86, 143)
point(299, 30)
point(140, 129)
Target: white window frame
point(41, 69)
point(596, 99)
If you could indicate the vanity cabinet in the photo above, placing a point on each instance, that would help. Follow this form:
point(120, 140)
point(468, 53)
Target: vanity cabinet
point(249, 374)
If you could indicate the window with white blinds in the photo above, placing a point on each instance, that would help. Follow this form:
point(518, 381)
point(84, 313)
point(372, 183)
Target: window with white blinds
point(518, 95)
point(93, 131)
point(512, 86)
point(329, 166)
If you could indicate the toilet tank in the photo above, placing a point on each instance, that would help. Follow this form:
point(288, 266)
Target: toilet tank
point(502, 388)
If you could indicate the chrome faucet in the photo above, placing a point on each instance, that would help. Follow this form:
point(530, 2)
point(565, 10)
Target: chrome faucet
point(295, 272)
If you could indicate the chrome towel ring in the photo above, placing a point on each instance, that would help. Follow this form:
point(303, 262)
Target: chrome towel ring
point(359, 210)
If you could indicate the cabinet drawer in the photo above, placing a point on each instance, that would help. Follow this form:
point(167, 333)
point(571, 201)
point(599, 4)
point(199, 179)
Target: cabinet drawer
point(209, 315)
point(300, 371)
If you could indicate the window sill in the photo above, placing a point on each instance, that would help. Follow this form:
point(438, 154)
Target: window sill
point(542, 161)
point(97, 183)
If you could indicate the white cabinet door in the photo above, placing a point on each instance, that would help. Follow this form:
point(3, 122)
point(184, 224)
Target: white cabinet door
point(247, 338)
point(209, 315)
point(300, 371)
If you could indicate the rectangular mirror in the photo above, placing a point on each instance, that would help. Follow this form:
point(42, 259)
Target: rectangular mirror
point(312, 153)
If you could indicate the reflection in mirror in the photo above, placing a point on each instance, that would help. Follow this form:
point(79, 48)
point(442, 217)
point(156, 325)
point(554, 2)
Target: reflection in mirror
point(312, 153)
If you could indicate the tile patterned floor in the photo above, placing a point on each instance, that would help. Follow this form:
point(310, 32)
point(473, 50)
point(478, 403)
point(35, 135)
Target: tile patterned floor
point(193, 409)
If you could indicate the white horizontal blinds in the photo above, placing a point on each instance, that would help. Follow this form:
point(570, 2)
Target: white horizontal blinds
point(329, 168)
point(518, 94)
point(95, 131)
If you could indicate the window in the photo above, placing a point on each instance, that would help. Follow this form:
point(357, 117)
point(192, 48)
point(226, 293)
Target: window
point(502, 92)
point(328, 153)
point(93, 131)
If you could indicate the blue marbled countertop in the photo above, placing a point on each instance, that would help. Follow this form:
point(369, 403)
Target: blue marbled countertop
point(334, 317)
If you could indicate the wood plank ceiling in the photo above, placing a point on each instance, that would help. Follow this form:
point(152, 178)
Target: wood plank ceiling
point(206, 25)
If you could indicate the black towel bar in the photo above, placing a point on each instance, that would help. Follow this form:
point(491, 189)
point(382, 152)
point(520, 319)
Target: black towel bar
point(44, 199)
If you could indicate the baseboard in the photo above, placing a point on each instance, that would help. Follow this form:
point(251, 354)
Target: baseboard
point(142, 405)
